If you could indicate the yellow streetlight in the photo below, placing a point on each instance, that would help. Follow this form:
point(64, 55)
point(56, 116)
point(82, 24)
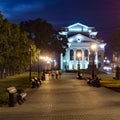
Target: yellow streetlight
point(93, 47)
point(47, 59)
point(79, 55)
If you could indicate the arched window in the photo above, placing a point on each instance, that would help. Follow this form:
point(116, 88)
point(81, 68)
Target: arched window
point(77, 52)
point(86, 54)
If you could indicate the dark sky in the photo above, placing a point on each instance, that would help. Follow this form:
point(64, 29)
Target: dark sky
point(104, 15)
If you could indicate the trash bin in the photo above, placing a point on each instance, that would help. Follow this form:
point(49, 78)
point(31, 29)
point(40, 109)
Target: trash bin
point(12, 96)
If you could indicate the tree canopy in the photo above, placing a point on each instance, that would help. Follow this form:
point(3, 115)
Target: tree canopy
point(14, 48)
point(17, 39)
point(44, 35)
point(114, 40)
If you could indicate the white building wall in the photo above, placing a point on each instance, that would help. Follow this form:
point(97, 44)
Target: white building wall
point(73, 64)
point(77, 42)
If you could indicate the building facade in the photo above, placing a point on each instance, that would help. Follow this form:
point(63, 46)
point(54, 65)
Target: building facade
point(80, 38)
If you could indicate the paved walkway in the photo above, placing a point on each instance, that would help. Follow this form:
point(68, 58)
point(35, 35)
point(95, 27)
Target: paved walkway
point(66, 99)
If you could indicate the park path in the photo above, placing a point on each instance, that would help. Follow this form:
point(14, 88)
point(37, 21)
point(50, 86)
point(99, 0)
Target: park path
point(66, 99)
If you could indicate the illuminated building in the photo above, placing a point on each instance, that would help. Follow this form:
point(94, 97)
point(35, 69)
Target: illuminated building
point(107, 65)
point(80, 37)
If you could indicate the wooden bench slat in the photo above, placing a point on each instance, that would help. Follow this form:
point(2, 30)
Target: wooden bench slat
point(12, 89)
point(23, 95)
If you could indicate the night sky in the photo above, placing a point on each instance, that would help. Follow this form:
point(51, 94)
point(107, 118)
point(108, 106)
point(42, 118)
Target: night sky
point(104, 15)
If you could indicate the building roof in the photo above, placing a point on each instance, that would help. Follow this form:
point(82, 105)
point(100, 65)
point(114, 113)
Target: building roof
point(78, 28)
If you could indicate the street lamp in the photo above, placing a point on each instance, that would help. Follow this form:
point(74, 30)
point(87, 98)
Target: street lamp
point(39, 67)
point(30, 49)
point(79, 56)
point(47, 60)
point(93, 48)
point(54, 64)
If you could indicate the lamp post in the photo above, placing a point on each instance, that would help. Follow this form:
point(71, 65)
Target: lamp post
point(93, 49)
point(30, 49)
point(54, 64)
point(79, 56)
point(39, 67)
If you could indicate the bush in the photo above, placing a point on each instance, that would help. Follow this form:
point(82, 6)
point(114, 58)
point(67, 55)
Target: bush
point(4, 99)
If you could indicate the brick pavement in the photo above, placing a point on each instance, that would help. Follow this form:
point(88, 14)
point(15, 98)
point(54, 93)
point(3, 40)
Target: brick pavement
point(66, 99)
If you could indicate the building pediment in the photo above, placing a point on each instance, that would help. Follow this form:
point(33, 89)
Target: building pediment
point(79, 27)
point(80, 38)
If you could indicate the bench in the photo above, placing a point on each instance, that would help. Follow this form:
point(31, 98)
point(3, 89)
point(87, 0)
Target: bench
point(11, 90)
point(21, 96)
point(35, 82)
point(94, 82)
point(16, 96)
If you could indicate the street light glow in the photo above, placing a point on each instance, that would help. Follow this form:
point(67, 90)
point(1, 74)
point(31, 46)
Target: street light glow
point(48, 60)
point(79, 54)
point(93, 46)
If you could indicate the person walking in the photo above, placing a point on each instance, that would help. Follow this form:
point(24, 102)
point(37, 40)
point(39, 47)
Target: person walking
point(60, 74)
point(56, 74)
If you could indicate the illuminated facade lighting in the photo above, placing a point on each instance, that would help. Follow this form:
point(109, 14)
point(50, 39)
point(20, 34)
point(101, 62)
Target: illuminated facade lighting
point(81, 40)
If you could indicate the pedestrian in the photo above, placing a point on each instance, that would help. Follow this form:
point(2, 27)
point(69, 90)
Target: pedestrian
point(56, 74)
point(43, 76)
point(52, 74)
point(60, 74)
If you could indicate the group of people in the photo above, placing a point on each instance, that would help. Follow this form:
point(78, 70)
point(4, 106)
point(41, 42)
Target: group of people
point(55, 74)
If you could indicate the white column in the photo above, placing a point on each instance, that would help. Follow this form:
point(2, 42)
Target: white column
point(88, 56)
point(96, 59)
point(68, 57)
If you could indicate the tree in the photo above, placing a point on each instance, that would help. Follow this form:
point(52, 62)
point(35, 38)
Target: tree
point(4, 45)
point(44, 36)
point(60, 45)
point(40, 31)
point(114, 42)
point(19, 56)
point(14, 48)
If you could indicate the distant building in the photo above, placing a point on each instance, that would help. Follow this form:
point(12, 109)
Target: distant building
point(80, 37)
point(107, 65)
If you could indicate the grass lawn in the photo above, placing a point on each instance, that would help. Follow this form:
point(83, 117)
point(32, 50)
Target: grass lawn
point(20, 81)
point(110, 82)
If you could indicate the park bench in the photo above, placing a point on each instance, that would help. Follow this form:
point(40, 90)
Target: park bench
point(16, 96)
point(21, 96)
point(36, 82)
point(94, 82)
